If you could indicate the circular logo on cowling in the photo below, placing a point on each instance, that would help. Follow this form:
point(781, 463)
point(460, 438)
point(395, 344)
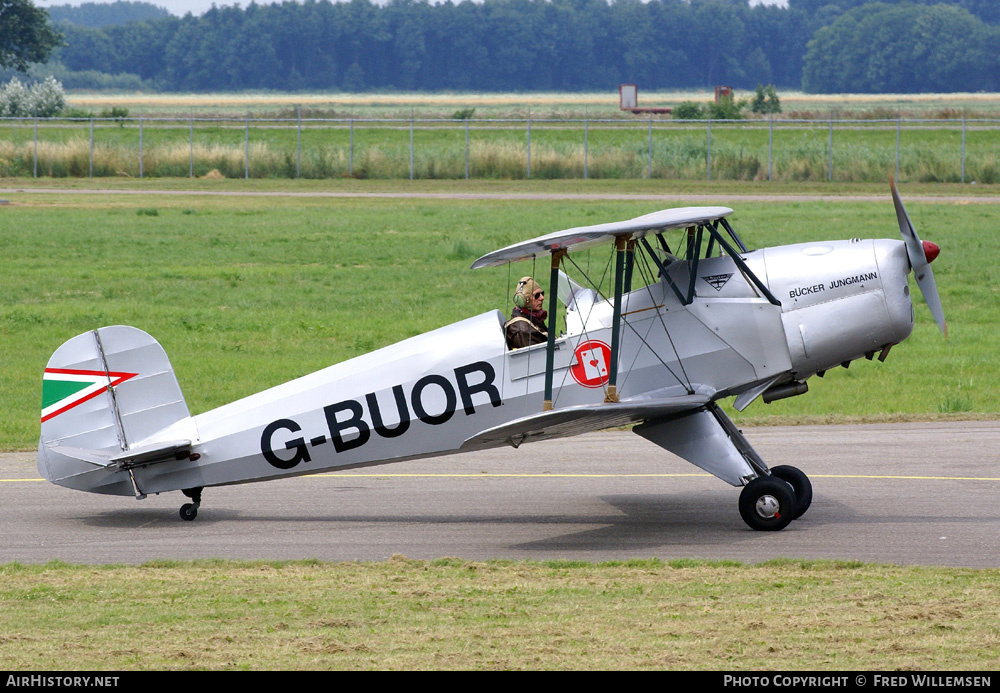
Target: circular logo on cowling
point(591, 368)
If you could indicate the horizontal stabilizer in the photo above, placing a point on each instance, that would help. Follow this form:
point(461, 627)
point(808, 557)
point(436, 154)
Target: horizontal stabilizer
point(83, 469)
point(560, 423)
point(98, 458)
point(168, 451)
point(582, 237)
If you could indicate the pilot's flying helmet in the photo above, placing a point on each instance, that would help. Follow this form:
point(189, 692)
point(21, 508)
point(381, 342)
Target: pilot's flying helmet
point(526, 288)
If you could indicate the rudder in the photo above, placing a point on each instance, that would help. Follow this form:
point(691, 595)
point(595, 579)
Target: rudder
point(104, 392)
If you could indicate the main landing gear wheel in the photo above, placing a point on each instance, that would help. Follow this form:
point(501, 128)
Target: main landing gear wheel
point(767, 504)
point(189, 511)
point(800, 485)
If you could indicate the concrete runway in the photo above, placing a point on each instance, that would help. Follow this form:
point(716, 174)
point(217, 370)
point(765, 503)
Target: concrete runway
point(913, 494)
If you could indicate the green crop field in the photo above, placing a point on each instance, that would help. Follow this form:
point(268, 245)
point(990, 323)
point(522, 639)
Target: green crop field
point(848, 138)
point(847, 151)
point(534, 104)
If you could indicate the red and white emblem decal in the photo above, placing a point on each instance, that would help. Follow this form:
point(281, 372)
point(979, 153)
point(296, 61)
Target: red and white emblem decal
point(592, 364)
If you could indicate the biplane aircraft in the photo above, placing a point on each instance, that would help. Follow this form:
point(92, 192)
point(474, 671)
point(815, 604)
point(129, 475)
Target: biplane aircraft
point(712, 320)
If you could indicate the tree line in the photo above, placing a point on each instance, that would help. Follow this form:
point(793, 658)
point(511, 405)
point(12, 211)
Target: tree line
point(820, 46)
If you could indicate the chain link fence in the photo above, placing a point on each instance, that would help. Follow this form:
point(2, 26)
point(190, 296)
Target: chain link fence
point(957, 150)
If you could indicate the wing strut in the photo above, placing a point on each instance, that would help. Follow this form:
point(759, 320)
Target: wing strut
point(742, 265)
point(550, 346)
point(663, 271)
point(624, 252)
point(624, 258)
point(629, 265)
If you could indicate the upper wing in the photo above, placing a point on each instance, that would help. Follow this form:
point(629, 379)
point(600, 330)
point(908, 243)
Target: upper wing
point(560, 423)
point(587, 236)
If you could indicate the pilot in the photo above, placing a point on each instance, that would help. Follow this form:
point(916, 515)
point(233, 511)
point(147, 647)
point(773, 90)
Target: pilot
point(527, 323)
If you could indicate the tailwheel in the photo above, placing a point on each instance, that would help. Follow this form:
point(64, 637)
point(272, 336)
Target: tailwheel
point(189, 511)
point(800, 485)
point(767, 504)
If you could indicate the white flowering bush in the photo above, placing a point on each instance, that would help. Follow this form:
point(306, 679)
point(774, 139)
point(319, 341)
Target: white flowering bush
point(13, 98)
point(44, 99)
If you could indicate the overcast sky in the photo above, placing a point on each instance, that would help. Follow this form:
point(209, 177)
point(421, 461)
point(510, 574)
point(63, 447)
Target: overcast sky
point(178, 7)
point(182, 7)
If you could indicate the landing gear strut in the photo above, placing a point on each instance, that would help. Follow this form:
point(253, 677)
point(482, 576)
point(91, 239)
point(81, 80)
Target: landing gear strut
point(189, 511)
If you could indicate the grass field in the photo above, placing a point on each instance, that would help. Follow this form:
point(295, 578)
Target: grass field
point(453, 614)
point(246, 292)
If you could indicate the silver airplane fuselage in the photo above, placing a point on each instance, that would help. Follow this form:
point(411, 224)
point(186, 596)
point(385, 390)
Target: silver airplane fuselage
point(731, 323)
point(427, 395)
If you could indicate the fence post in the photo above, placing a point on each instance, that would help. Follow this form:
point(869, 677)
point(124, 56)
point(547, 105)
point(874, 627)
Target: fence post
point(898, 121)
point(350, 164)
point(586, 136)
point(649, 150)
point(34, 167)
point(411, 145)
point(246, 150)
point(770, 146)
point(528, 173)
point(708, 160)
point(191, 146)
point(140, 147)
point(467, 149)
point(91, 174)
point(298, 143)
point(963, 145)
point(829, 154)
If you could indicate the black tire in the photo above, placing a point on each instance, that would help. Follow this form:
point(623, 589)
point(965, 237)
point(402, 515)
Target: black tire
point(800, 484)
point(767, 504)
point(189, 511)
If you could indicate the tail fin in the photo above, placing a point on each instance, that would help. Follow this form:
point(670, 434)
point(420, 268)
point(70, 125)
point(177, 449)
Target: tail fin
point(104, 392)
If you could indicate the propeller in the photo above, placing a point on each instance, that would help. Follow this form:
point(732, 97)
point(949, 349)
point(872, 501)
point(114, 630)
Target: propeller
point(920, 254)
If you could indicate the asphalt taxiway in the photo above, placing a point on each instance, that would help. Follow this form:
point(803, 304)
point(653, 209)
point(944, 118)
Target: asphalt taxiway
point(909, 494)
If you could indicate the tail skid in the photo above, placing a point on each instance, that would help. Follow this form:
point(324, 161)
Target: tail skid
point(105, 396)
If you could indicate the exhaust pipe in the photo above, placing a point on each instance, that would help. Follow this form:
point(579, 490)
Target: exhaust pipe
point(783, 391)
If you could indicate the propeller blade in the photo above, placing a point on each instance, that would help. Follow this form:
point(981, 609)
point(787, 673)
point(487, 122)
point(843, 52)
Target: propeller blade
point(920, 255)
point(914, 248)
point(925, 280)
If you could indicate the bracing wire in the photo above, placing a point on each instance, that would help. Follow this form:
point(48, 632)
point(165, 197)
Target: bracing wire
point(586, 319)
point(646, 278)
point(590, 281)
point(507, 311)
point(646, 274)
point(527, 379)
point(687, 380)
